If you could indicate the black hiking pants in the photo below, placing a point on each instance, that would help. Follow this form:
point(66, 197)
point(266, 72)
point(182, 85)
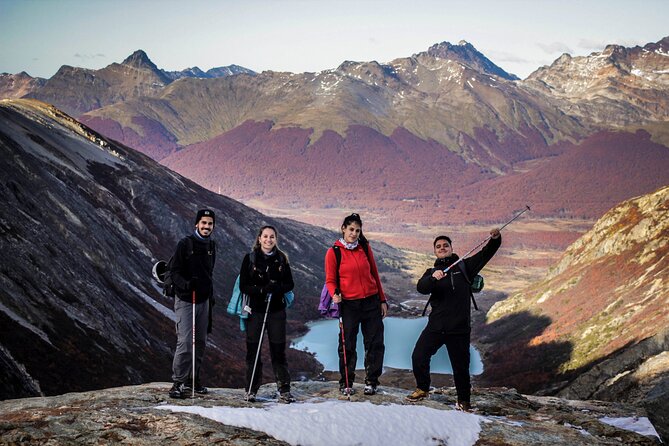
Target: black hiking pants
point(364, 314)
point(458, 352)
point(275, 327)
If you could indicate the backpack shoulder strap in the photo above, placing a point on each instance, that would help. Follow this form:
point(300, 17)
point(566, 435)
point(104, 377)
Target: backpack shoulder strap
point(365, 247)
point(212, 251)
point(337, 253)
point(283, 259)
point(252, 260)
point(471, 293)
point(189, 246)
point(464, 271)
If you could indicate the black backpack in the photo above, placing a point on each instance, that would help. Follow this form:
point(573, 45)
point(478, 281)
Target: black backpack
point(169, 287)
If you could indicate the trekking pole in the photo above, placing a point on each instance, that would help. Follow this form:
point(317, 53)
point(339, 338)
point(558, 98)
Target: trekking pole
point(192, 395)
point(343, 343)
point(527, 208)
point(262, 331)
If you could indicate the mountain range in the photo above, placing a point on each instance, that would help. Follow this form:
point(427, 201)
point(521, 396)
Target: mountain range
point(442, 135)
point(78, 90)
point(619, 86)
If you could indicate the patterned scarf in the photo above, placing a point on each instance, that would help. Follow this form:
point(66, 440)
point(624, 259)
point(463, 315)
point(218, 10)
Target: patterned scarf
point(348, 245)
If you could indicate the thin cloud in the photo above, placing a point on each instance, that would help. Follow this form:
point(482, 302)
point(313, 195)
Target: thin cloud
point(89, 56)
point(555, 47)
point(501, 56)
point(592, 44)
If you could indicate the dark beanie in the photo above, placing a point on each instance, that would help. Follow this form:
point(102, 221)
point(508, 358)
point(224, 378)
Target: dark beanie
point(205, 213)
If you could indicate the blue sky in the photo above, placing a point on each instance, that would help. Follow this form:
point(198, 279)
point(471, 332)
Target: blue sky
point(38, 36)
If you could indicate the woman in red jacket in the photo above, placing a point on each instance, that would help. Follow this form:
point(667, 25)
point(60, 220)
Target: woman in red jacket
point(355, 286)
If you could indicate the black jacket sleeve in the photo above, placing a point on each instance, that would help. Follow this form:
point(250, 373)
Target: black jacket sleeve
point(426, 283)
point(475, 263)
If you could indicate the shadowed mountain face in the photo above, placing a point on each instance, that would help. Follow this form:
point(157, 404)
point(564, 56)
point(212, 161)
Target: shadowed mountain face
point(83, 220)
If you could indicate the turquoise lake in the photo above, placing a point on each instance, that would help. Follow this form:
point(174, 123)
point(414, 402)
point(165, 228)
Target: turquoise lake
point(400, 338)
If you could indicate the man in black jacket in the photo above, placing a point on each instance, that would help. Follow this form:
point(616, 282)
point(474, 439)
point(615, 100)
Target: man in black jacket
point(449, 321)
point(193, 265)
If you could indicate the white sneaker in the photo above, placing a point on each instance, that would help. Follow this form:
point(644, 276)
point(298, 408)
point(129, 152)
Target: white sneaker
point(369, 390)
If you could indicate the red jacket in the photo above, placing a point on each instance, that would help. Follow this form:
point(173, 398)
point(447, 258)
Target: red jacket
point(356, 279)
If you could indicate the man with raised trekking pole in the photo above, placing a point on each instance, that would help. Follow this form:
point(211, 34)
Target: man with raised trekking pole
point(449, 286)
point(191, 271)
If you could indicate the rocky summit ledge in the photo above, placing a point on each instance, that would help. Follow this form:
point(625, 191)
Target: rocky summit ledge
point(133, 415)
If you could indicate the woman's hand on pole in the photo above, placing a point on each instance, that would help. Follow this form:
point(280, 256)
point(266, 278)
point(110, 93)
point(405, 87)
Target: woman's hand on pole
point(336, 298)
point(438, 274)
point(495, 233)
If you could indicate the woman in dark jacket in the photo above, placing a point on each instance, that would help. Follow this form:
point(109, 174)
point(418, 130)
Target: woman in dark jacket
point(449, 321)
point(265, 277)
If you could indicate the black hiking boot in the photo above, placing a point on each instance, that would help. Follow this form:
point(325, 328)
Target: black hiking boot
point(464, 406)
point(370, 389)
point(199, 388)
point(286, 397)
point(178, 390)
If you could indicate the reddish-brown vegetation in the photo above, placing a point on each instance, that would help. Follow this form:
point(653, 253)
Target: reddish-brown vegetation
point(416, 181)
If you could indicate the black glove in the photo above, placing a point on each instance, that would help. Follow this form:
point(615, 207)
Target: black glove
point(273, 287)
point(192, 284)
